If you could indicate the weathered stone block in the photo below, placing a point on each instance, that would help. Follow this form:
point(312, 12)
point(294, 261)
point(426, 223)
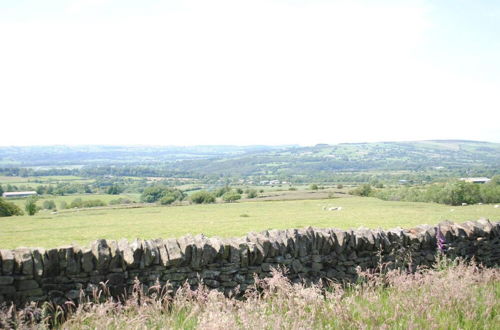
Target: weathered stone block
point(26, 285)
point(102, 255)
point(23, 261)
point(211, 283)
point(87, 260)
point(38, 261)
point(7, 289)
point(175, 256)
point(116, 278)
point(6, 280)
point(51, 263)
point(7, 261)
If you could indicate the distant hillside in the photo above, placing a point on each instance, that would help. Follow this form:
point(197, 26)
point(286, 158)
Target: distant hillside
point(413, 156)
point(321, 161)
point(61, 155)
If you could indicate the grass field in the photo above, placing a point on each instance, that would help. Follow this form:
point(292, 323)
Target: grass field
point(42, 180)
point(236, 219)
point(69, 198)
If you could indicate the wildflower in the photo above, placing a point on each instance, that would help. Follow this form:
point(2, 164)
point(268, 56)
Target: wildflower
point(440, 240)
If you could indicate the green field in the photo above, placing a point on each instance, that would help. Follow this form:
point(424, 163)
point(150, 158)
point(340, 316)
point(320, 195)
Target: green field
point(69, 198)
point(35, 181)
point(85, 225)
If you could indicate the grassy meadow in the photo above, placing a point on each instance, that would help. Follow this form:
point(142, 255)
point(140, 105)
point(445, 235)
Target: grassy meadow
point(82, 226)
point(69, 198)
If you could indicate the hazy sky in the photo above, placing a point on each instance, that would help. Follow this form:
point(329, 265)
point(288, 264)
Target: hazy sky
point(248, 72)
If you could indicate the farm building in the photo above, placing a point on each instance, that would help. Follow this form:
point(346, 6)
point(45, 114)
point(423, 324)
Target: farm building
point(476, 180)
point(17, 194)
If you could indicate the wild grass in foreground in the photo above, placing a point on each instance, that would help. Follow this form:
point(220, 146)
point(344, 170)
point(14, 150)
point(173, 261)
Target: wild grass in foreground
point(458, 296)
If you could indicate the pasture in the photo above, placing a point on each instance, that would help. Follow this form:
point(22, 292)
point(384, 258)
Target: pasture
point(69, 198)
point(82, 226)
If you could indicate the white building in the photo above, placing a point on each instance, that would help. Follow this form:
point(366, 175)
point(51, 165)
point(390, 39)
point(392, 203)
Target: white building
point(476, 180)
point(18, 194)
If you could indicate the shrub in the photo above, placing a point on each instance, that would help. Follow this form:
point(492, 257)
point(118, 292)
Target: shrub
point(167, 200)
point(8, 209)
point(221, 191)
point(239, 191)
point(114, 190)
point(119, 201)
point(155, 193)
point(49, 205)
point(30, 206)
point(202, 197)
point(451, 193)
point(231, 196)
point(340, 186)
point(363, 190)
point(63, 205)
point(251, 193)
point(313, 186)
point(93, 203)
point(79, 203)
point(292, 189)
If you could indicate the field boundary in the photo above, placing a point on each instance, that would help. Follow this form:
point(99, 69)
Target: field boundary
point(230, 265)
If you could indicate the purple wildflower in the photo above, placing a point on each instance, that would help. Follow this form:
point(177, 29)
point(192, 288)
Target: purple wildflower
point(440, 240)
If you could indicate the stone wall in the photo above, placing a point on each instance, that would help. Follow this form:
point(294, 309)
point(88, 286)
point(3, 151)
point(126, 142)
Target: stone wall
point(308, 254)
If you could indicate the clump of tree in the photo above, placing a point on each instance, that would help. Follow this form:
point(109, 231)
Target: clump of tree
point(364, 190)
point(79, 203)
point(221, 191)
point(231, 196)
point(30, 206)
point(114, 190)
point(451, 193)
point(202, 197)
point(120, 201)
point(49, 205)
point(164, 195)
point(8, 209)
point(251, 193)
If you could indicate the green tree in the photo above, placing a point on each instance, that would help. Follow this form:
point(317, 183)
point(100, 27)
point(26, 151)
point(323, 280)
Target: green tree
point(251, 193)
point(167, 199)
point(40, 190)
point(8, 209)
point(49, 205)
point(231, 196)
point(313, 186)
point(221, 191)
point(202, 197)
point(363, 190)
point(30, 206)
point(114, 190)
point(155, 193)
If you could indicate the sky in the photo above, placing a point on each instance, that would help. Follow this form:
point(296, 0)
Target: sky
point(200, 72)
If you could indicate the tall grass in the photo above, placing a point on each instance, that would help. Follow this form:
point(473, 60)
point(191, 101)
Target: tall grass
point(456, 296)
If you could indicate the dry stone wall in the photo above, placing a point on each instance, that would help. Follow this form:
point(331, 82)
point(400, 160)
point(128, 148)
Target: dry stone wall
point(230, 265)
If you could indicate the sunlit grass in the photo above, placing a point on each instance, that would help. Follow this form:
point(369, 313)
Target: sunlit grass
point(85, 225)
